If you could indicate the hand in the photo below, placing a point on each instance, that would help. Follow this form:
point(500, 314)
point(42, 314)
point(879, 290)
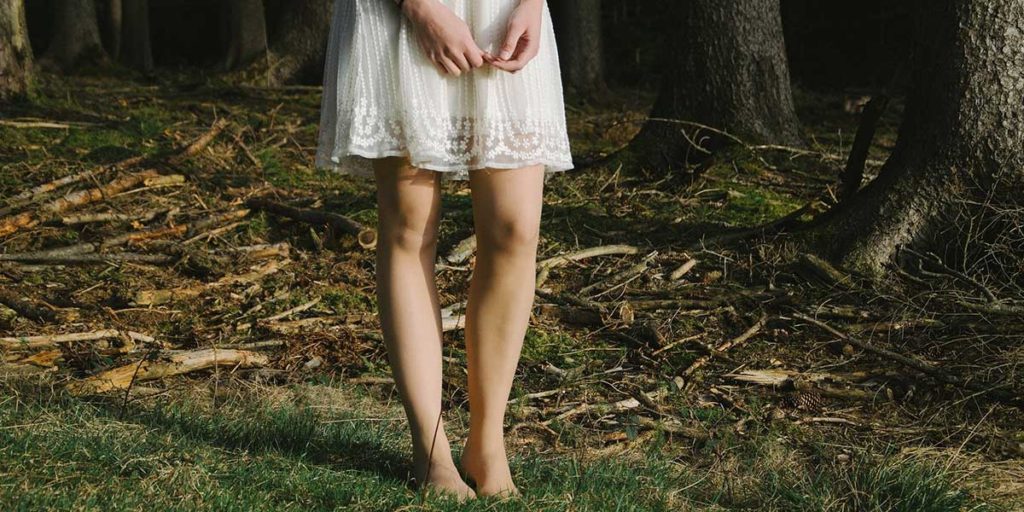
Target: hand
point(522, 39)
point(444, 37)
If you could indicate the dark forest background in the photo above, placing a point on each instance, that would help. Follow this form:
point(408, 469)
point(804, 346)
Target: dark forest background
point(835, 44)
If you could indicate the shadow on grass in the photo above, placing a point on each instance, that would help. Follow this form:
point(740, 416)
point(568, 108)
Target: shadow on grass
point(343, 442)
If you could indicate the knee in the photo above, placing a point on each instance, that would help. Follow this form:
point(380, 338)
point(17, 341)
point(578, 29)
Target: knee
point(408, 236)
point(519, 235)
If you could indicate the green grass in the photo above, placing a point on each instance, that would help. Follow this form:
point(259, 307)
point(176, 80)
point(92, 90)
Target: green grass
point(345, 300)
point(254, 453)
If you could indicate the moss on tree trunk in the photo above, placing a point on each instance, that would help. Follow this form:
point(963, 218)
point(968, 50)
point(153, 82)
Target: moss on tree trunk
point(15, 52)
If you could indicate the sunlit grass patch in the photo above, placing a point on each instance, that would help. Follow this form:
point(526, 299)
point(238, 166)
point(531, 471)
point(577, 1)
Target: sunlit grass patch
point(325, 448)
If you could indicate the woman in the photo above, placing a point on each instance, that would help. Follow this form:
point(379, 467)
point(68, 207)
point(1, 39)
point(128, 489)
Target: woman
point(420, 91)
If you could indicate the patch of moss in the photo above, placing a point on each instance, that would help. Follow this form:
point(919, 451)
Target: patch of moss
point(551, 347)
point(348, 300)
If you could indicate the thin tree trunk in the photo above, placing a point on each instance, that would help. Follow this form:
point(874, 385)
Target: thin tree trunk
point(581, 47)
point(963, 133)
point(76, 35)
point(245, 31)
point(726, 68)
point(15, 52)
point(136, 47)
point(113, 27)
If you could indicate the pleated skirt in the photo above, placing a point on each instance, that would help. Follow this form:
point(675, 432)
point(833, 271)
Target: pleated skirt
point(382, 97)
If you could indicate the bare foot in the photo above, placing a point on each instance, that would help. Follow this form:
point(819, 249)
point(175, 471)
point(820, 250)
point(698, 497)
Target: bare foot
point(443, 479)
point(489, 471)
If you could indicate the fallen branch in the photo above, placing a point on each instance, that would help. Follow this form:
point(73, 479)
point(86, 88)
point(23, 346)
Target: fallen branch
point(914, 363)
point(262, 251)
point(26, 308)
point(620, 278)
point(605, 408)
point(285, 314)
point(92, 218)
point(65, 258)
point(34, 124)
point(832, 421)
point(603, 250)
point(61, 254)
point(724, 347)
point(370, 379)
point(12, 224)
point(299, 326)
point(156, 297)
point(462, 250)
point(934, 259)
point(545, 266)
point(33, 194)
point(683, 269)
point(337, 221)
point(174, 363)
point(22, 343)
point(201, 143)
point(813, 267)
point(808, 383)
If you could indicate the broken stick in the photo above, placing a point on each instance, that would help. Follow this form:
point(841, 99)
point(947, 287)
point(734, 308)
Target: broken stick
point(724, 347)
point(173, 363)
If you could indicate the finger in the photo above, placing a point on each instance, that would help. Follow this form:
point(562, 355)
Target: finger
point(530, 47)
point(460, 60)
point(450, 66)
point(474, 54)
point(523, 57)
point(510, 65)
point(437, 64)
point(476, 58)
point(508, 48)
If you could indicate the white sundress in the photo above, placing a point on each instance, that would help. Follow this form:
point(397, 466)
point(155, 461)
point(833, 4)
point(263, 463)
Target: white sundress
point(383, 97)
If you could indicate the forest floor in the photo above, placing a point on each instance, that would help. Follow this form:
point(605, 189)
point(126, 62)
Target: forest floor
point(691, 361)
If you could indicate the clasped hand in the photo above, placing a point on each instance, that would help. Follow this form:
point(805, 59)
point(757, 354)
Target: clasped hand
point(448, 43)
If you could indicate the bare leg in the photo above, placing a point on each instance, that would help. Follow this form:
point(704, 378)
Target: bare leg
point(506, 212)
point(409, 202)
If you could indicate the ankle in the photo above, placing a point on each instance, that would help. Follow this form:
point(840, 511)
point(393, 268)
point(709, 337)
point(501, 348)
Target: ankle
point(488, 444)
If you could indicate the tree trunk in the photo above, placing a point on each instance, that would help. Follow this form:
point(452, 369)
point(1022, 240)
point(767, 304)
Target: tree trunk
point(113, 27)
point(245, 32)
point(581, 50)
point(136, 47)
point(300, 45)
point(15, 52)
point(963, 134)
point(76, 35)
point(726, 68)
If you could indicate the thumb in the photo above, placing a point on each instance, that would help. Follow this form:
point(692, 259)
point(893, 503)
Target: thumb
point(515, 32)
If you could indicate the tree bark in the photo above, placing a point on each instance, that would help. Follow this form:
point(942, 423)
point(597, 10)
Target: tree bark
point(76, 35)
point(113, 27)
point(962, 135)
point(15, 52)
point(581, 47)
point(136, 47)
point(300, 45)
point(245, 32)
point(726, 68)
